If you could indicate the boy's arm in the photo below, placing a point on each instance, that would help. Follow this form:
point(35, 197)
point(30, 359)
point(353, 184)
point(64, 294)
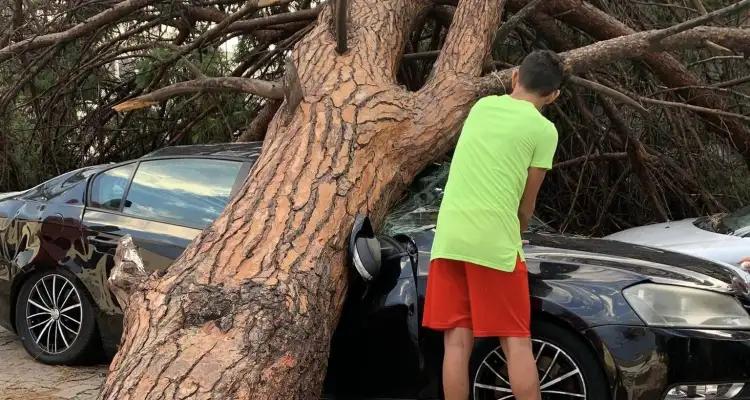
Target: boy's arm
point(528, 200)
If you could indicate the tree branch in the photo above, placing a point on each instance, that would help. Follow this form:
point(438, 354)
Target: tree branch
point(258, 23)
point(510, 24)
point(115, 13)
point(593, 157)
point(469, 39)
point(342, 11)
point(695, 108)
point(608, 91)
point(258, 127)
point(681, 27)
point(630, 46)
point(271, 90)
point(733, 82)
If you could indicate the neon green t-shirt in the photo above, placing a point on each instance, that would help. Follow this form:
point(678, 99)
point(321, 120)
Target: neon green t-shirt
point(478, 218)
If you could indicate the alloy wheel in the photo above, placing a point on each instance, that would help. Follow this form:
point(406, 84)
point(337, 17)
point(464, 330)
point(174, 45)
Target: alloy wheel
point(559, 376)
point(54, 314)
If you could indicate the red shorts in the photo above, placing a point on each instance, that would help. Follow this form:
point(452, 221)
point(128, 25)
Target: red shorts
point(488, 301)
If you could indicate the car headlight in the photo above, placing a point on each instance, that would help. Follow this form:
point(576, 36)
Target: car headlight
point(683, 307)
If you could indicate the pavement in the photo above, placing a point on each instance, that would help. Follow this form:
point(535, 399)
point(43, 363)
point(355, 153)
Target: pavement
point(23, 378)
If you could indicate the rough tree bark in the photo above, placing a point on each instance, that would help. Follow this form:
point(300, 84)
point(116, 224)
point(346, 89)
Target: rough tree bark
point(249, 308)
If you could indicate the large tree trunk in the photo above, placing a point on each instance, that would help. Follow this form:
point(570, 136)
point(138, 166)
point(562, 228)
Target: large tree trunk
point(249, 308)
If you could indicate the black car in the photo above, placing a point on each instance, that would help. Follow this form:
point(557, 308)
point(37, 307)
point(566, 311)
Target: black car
point(610, 320)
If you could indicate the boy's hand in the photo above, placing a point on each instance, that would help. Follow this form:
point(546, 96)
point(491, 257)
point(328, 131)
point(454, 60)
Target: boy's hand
point(745, 263)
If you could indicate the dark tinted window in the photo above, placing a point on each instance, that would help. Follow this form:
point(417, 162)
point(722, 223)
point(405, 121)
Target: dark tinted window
point(109, 187)
point(190, 192)
point(60, 187)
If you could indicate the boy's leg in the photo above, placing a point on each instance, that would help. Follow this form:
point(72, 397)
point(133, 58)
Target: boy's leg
point(458, 345)
point(522, 370)
point(447, 309)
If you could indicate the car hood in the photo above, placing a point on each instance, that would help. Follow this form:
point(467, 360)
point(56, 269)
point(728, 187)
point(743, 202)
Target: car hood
point(654, 263)
point(8, 195)
point(683, 236)
point(657, 265)
point(670, 234)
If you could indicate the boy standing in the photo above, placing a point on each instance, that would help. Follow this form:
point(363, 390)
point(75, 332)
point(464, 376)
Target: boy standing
point(478, 283)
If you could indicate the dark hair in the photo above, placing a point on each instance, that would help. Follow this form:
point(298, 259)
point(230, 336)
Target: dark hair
point(542, 72)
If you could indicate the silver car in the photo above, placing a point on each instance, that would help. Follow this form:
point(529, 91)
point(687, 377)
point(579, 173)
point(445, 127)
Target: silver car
point(720, 237)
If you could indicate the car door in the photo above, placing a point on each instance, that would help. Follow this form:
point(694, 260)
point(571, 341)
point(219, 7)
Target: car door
point(163, 204)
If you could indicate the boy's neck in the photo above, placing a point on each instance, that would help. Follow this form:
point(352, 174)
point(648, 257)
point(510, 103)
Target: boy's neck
point(520, 94)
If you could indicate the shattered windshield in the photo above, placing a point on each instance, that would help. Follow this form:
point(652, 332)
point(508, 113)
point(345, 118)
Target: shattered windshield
point(736, 223)
point(419, 209)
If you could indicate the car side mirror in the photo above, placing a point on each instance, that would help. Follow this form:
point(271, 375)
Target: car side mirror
point(364, 249)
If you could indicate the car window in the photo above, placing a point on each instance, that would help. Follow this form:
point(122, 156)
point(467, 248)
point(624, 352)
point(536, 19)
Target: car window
point(189, 192)
point(109, 187)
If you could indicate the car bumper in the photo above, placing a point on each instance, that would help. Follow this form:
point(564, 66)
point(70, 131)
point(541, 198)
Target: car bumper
point(646, 363)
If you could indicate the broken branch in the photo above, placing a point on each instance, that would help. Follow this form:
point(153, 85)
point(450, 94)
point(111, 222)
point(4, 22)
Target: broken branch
point(128, 272)
point(271, 90)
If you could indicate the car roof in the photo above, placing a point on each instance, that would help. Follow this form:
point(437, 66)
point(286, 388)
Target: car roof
point(245, 151)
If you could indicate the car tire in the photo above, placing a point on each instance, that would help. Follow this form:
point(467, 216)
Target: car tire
point(562, 354)
point(69, 311)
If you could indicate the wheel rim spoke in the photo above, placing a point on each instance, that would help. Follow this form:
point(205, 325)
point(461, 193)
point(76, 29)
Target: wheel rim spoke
point(485, 363)
point(54, 341)
point(37, 314)
point(44, 285)
point(40, 323)
point(62, 334)
point(66, 327)
point(72, 319)
point(560, 378)
point(49, 321)
point(41, 298)
point(54, 294)
point(563, 393)
point(539, 353)
point(491, 387)
point(67, 297)
point(549, 367)
point(35, 304)
point(70, 308)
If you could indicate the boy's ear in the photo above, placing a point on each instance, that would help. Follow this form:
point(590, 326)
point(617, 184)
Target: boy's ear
point(552, 97)
point(514, 79)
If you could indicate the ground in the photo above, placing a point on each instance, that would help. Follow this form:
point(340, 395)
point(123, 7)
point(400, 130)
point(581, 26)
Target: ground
point(23, 378)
